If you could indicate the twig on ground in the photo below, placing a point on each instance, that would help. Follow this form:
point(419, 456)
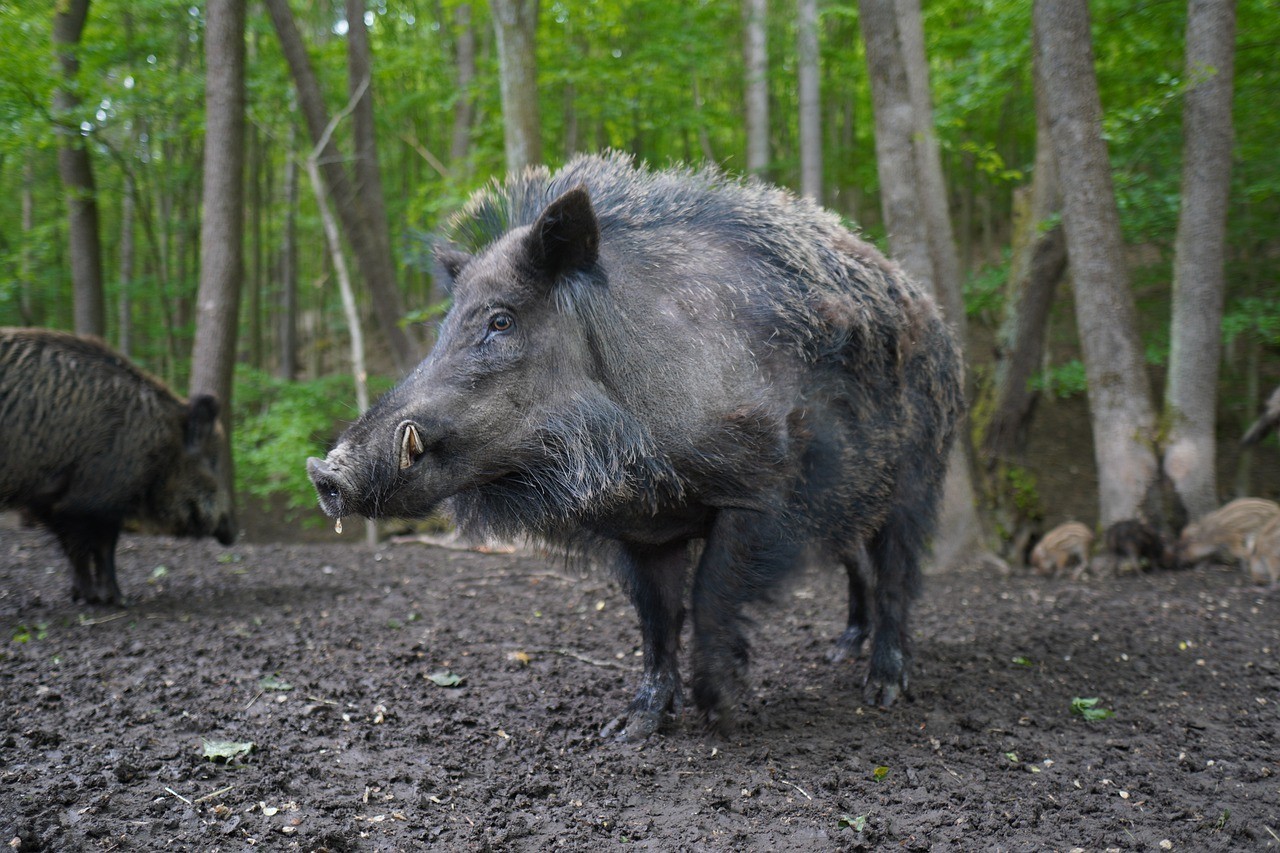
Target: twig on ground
point(797, 787)
point(179, 796)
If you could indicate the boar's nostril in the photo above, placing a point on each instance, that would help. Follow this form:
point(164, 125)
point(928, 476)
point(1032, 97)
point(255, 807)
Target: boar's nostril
point(411, 446)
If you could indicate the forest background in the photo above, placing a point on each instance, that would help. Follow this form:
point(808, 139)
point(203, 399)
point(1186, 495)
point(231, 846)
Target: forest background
point(416, 88)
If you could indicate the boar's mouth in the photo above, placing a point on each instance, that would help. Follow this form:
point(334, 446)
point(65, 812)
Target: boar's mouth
point(329, 487)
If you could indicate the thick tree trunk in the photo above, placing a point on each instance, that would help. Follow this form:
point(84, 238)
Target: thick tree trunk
point(372, 253)
point(222, 225)
point(76, 170)
point(900, 157)
point(810, 91)
point(755, 14)
point(515, 24)
point(1120, 407)
point(1199, 256)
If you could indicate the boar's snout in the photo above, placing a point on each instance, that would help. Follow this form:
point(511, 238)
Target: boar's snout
point(329, 487)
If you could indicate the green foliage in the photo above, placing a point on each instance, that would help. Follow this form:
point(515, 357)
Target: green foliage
point(1256, 316)
point(985, 291)
point(1062, 381)
point(278, 424)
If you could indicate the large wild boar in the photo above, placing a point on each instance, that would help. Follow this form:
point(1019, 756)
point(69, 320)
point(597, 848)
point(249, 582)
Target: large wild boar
point(638, 360)
point(90, 442)
point(1222, 534)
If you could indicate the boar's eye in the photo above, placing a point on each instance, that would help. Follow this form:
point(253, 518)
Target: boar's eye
point(500, 323)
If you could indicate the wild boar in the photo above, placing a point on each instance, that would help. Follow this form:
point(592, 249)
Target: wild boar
point(1262, 554)
point(1063, 549)
point(638, 360)
point(91, 441)
point(1221, 534)
point(1132, 545)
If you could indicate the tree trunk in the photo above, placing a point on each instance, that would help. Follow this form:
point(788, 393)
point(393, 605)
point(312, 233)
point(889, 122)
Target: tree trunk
point(515, 24)
point(900, 158)
point(1119, 391)
point(1199, 256)
point(372, 252)
point(464, 107)
point(755, 16)
point(222, 225)
point(288, 331)
point(124, 336)
point(1038, 263)
point(25, 263)
point(76, 170)
point(810, 101)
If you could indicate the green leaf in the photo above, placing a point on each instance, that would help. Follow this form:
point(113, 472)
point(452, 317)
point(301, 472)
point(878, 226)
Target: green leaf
point(855, 822)
point(226, 750)
point(444, 678)
point(1088, 708)
point(879, 773)
point(274, 682)
point(1023, 661)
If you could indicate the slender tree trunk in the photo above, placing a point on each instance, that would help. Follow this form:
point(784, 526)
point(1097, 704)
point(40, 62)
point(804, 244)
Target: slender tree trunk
point(124, 337)
point(222, 229)
point(256, 277)
point(25, 263)
point(515, 24)
point(1038, 263)
point(464, 108)
point(1119, 391)
point(368, 176)
point(1199, 256)
point(372, 252)
point(905, 176)
point(810, 91)
point(288, 344)
point(755, 17)
point(76, 170)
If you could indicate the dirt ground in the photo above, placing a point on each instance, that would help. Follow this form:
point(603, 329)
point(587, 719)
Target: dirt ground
point(323, 657)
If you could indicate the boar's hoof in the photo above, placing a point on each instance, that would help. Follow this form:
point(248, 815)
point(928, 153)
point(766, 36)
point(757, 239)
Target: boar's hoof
point(849, 644)
point(657, 695)
point(887, 679)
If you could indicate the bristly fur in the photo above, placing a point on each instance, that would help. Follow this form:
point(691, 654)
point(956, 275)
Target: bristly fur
point(642, 365)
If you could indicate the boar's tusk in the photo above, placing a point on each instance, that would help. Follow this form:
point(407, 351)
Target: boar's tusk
point(411, 447)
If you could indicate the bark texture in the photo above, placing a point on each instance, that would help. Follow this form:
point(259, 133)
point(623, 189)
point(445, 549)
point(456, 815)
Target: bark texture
point(1121, 413)
point(1199, 256)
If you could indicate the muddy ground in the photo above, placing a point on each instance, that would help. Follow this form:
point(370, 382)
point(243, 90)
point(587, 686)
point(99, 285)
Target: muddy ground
point(322, 657)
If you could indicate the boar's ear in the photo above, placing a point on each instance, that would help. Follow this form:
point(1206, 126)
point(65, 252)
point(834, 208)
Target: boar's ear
point(449, 261)
point(202, 416)
point(566, 237)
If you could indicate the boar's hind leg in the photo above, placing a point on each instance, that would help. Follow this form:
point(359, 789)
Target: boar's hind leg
point(747, 553)
point(857, 562)
point(895, 551)
point(655, 580)
point(90, 544)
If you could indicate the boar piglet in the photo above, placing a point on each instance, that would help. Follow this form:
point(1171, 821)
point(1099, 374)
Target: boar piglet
point(91, 441)
point(635, 361)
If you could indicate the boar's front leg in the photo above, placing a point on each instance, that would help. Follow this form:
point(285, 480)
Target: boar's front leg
point(654, 577)
point(746, 555)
